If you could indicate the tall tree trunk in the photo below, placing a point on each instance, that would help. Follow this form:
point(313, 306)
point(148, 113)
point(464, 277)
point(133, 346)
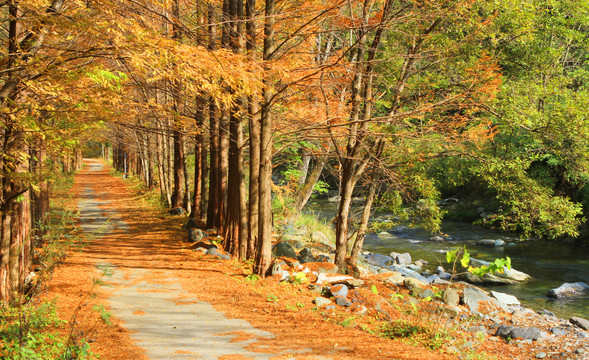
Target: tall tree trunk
point(214, 193)
point(254, 143)
point(263, 256)
point(161, 151)
point(196, 212)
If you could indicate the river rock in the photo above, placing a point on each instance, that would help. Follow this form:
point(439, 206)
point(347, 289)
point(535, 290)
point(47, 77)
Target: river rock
point(379, 259)
point(505, 298)
point(492, 242)
point(295, 242)
point(567, 290)
point(580, 322)
point(407, 272)
point(472, 298)
point(509, 276)
point(403, 259)
point(415, 285)
point(196, 235)
point(525, 333)
point(284, 249)
point(559, 331)
point(385, 235)
point(451, 297)
point(306, 256)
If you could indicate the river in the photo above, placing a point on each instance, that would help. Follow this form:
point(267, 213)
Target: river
point(550, 263)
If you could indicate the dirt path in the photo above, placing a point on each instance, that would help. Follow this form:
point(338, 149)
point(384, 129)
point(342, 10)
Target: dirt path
point(167, 302)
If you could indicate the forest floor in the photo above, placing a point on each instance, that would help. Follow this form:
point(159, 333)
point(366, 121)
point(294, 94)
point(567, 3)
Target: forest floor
point(165, 301)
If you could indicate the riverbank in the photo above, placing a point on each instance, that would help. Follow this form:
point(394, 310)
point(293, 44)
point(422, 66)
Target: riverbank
point(550, 263)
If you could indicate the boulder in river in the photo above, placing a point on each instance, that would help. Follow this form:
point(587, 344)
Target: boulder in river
point(507, 277)
point(492, 242)
point(568, 290)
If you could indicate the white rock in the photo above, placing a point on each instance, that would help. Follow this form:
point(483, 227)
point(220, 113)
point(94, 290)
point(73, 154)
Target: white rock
point(505, 298)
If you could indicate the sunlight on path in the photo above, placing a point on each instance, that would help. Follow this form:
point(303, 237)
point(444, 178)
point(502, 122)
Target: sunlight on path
point(164, 319)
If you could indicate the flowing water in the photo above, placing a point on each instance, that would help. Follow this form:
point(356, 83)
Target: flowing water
point(549, 263)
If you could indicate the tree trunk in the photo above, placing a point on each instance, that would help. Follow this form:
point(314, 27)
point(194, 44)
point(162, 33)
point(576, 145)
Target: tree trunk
point(306, 190)
point(265, 190)
point(363, 226)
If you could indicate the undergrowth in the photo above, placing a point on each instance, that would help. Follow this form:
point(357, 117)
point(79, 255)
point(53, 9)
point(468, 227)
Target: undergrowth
point(29, 327)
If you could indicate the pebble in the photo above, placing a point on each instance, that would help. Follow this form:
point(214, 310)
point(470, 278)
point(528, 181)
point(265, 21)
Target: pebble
point(540, 355)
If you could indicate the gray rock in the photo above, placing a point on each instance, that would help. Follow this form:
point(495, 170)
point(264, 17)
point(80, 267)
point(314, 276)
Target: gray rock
point(505, 298)
point(306, 256)
point(472, 298)
point(492, 243)
point(177, 211)
point(403, 259)
point(504, 331)
point(450, 297)
point(444, 275)
point(414, 267)
point(508, 277)
point(295, 243)
point(567, 290)
point(196, 235)
point(547, 313)
point(284, 249)
point(379, 259)
point(215, 252)
point(527, 333)
point(426, 293)
point(407, 272)
point(339, 290)
point(540, 355)
point(321, 301)
point(342, 301)
point(559, 331)
point(413, 284)
point(580, 322)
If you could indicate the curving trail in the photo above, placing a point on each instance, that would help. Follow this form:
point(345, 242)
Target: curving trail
point(169, 303)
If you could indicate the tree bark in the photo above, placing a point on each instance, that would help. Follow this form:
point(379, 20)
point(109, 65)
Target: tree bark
point(265, 183)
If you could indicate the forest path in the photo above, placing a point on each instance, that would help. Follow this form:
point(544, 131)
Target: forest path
point(169, 303)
